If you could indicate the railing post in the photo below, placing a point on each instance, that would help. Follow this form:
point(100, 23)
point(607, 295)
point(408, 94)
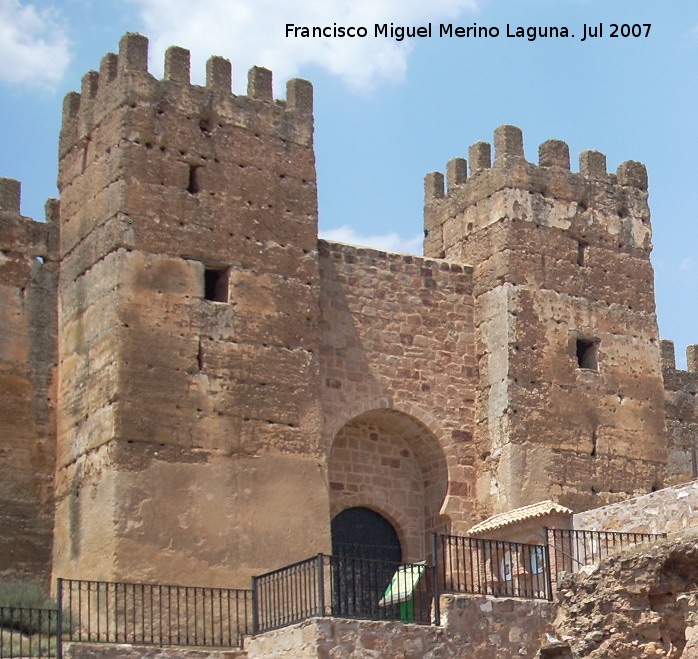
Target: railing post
point(435, 553)
point(548, 566)
point(59, 618)
point(321, 583)
point(255, 607)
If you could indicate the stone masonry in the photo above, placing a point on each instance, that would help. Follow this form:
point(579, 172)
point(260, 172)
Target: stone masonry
point(195, 386)
point(570, 396)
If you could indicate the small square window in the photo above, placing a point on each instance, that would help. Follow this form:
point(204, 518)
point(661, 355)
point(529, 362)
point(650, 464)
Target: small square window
point(588, 354)
point(216, 285)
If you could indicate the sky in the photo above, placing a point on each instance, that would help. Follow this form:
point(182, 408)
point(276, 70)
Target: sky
point(388, 111)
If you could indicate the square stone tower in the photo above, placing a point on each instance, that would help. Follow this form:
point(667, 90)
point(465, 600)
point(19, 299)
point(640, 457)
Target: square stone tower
point(188, 414)
point(570, 401)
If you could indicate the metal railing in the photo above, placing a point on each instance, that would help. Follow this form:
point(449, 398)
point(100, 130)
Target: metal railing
point(571, 549)
point(492, 567)
point(147, 614)
point(343, 586)
point(29, 632)
point(338, 586)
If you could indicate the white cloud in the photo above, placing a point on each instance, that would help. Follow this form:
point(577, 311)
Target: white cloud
point(390, 242)
point(687, 264)
point(253, 32)
point(34, 47)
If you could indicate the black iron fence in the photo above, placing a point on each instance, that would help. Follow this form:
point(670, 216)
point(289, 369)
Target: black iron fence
point(28, 632)
point(344, 586)
point(109, 612)
point(492, 567)
point(339, 586)
point(571, 549)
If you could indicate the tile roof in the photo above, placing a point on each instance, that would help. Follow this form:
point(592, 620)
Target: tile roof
point(519, 515)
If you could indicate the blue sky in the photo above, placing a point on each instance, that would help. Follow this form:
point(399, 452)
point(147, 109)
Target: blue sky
point(386, 113)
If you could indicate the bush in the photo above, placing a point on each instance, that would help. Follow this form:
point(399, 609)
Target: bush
point(26, 594)
point(15, 596)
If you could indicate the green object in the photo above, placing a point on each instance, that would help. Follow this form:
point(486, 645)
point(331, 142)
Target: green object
point(401, 589)
point(407, 611)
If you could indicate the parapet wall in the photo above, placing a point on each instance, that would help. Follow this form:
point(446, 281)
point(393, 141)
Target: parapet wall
point(147, 163)
point(621, 216)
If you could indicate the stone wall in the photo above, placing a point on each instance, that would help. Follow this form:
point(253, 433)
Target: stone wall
point(125, 651)
point(398, 374)
point(671, 510)
point(472, 627)
point(28, 278)
point(681, 405)
point(641, 603)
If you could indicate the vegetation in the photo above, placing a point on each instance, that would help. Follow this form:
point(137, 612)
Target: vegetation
point(15, 644)
point(25, 594)
point(25, 607)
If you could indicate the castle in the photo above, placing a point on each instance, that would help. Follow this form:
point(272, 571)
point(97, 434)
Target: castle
point(196, 389)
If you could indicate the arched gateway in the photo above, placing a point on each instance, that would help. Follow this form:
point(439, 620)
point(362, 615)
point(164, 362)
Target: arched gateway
point(387, 474)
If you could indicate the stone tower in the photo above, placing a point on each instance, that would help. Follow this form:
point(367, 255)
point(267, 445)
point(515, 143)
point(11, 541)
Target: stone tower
point(570, 397)
point(188, 414)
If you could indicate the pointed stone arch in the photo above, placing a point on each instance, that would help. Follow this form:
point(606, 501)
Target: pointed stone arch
point(391, 461)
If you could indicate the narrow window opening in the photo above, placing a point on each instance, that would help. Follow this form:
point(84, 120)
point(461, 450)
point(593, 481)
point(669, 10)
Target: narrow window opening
point(594, 442)
point(194, 183)
point(588, 354)
point(582, 253)
point(216, 285)
point(200, 357)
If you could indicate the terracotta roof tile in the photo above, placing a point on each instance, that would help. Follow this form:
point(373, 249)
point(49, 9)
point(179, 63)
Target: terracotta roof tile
point(518, 515)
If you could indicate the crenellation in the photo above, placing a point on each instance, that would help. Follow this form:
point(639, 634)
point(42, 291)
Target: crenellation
point(632, 173)
point(456, 172)
point(177, 64)
point(111, 89)
point(434, 186)
point(109, 68)
point(508, 143)
point(259, 84)
point(692, 358)
point(10, 195)
point(549, 194)
point(668, 355)
point(89, 86)
point(133, 54)
point(480, 156)
point(299, 96)
point(592, 165)
point(554, 153)
point(219, 74)
point(69, 122)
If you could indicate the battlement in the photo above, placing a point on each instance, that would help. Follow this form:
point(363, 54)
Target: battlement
point(601, 202)
point(124, 80)
point(669, 356)
point(23, 235)
point(553, 160)
point(10, 195)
